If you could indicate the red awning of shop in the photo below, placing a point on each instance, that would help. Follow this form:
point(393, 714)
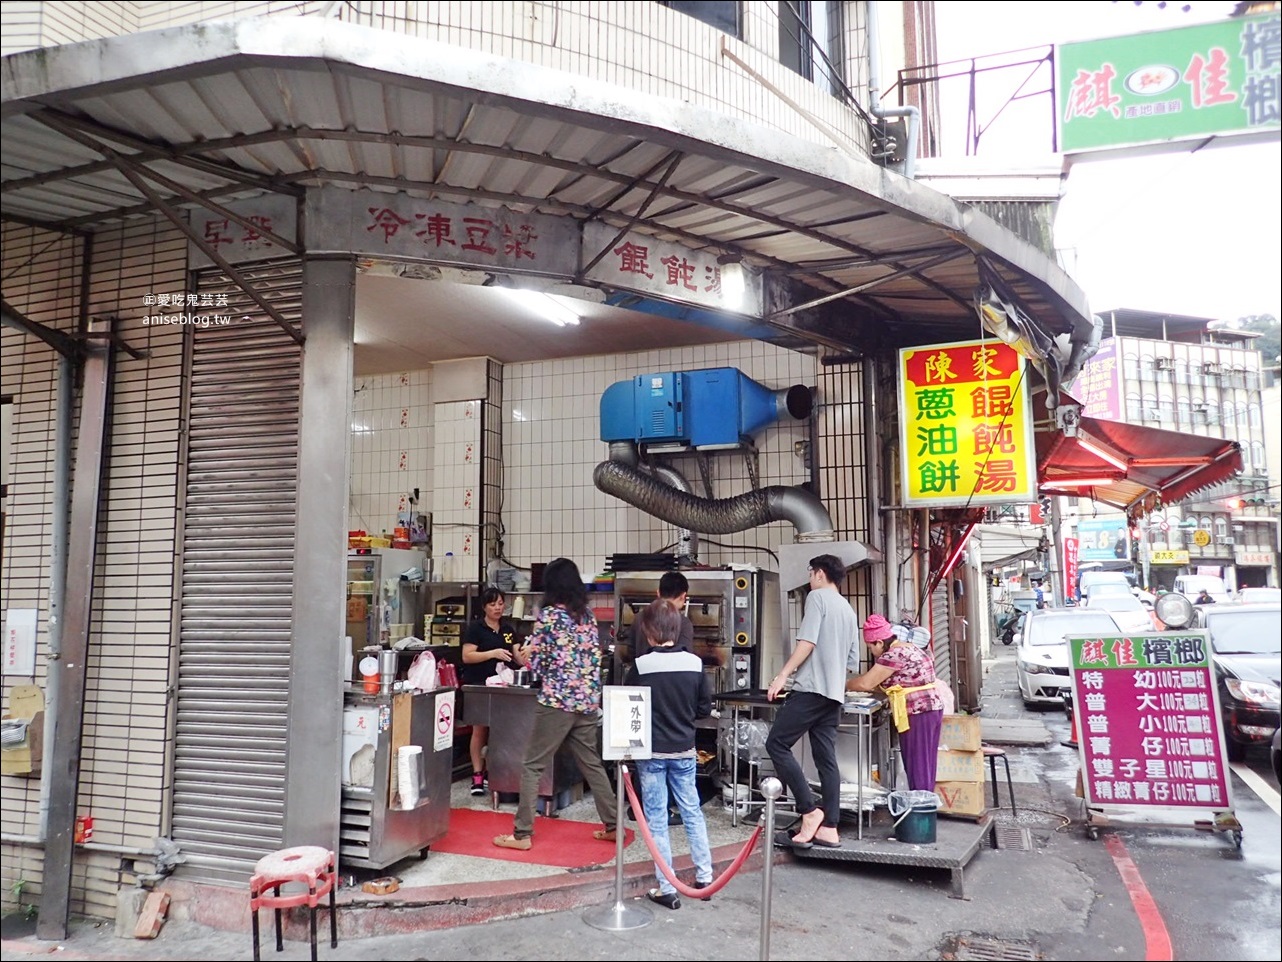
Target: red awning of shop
point(1129, 466)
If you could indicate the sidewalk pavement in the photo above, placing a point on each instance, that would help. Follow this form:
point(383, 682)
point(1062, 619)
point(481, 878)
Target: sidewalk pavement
point(819, 910)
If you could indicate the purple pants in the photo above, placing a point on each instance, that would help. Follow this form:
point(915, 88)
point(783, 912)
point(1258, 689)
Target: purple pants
point(919, 749)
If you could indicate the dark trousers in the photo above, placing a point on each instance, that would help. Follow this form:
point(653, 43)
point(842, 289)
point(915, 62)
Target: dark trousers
point(804, 712)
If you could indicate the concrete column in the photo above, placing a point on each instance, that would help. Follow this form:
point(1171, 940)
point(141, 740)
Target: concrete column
point(313, 792)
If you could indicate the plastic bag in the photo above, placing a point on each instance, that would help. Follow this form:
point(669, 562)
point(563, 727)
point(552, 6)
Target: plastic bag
point(752, 738)
point(422, 673)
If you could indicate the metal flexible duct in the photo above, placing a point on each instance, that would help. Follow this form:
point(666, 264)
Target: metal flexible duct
point(711, 515)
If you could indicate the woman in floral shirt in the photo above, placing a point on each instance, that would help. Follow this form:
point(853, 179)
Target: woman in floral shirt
point(565, 654)
point(907, 674)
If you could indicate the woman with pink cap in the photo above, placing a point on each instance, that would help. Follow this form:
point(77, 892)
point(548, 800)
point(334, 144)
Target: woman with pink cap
point(906, 674)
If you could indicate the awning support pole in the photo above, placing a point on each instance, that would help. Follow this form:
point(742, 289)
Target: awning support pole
point(63, 771)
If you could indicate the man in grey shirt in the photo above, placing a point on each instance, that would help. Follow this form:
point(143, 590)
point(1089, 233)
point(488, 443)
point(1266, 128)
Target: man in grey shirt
point(820, 658)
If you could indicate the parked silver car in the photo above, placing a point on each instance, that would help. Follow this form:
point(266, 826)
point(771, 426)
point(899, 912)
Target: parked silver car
point(1042, 658)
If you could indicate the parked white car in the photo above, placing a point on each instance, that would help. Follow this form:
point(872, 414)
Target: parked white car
point(1042, 661)
point(1127, 610)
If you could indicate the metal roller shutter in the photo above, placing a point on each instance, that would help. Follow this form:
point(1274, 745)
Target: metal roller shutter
point(237, 580)
point(940, 626)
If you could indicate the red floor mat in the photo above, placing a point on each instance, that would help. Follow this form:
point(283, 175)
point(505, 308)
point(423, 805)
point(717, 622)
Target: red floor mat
point(556, 841)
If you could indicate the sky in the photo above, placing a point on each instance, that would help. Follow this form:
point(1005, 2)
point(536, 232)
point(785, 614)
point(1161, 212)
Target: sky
point(1189, 232)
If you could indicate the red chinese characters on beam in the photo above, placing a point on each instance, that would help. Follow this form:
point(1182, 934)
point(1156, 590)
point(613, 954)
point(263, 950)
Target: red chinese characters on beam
point(479, 235)
point(680, 271)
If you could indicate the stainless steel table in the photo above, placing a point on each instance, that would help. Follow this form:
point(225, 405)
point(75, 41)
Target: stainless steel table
point(861, 743)
point(509, 713)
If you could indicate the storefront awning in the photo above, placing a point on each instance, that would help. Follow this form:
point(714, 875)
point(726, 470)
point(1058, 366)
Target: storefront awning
point(1001, 545)
point(222, 111)
point(1130, 466)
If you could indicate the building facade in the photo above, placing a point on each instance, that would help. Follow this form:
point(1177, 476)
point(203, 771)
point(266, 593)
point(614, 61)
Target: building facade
point(345, 193)
point(1185, 374)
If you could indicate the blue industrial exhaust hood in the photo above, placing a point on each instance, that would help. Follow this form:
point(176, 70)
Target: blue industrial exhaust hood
point(703, 410)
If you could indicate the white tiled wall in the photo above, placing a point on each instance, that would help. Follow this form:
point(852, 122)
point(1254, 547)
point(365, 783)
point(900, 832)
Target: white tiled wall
point(456, 500)
point(392, 445)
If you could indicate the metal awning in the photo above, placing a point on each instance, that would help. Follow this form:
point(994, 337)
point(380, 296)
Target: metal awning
point(1129, 466)
point(228, 110)
point(1001, 545)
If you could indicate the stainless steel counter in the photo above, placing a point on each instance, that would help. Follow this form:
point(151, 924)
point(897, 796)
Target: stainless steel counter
point(509, 713)
point(376, 830)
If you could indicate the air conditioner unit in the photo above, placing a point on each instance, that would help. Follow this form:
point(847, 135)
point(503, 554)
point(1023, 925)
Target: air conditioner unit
point(1225, 541)
point(1163, 363)
point(1211, 368)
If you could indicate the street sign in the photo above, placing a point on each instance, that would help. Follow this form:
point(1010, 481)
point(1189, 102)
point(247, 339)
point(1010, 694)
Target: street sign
point(1201, 538)
point(1149, 718)
point(626, 732)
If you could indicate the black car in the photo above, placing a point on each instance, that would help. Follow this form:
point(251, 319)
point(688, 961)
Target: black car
point(1246, 644)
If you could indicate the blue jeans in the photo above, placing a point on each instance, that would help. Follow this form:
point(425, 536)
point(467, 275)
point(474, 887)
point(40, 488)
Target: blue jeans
point(658, 775)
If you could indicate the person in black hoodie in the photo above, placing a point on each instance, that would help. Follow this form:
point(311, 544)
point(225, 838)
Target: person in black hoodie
point(679, 695)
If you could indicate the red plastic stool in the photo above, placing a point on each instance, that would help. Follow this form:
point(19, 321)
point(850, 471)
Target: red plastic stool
point(993, 755)
point(309, 865)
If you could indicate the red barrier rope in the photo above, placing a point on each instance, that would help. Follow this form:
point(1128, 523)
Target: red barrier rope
point(717, 884)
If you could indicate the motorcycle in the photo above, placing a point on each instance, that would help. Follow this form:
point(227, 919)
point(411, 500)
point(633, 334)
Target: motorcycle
point(1006, 626)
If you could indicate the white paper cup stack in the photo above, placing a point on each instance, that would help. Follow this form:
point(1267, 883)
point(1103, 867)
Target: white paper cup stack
point(407, 758)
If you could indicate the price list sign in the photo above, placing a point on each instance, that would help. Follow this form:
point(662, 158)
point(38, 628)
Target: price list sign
point(1149, 721)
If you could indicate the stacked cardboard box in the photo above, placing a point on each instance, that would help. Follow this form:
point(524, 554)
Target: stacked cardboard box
point(959, 780)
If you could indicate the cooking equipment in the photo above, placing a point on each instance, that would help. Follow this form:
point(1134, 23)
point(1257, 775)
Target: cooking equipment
point(735, 613)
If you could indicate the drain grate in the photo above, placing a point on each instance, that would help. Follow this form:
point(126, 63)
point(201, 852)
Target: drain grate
point(994, 949)
point(1014, 837)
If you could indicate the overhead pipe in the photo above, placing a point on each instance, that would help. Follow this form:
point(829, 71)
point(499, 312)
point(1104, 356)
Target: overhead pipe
point(800, 507)
point(912, 113)
point(625, 452)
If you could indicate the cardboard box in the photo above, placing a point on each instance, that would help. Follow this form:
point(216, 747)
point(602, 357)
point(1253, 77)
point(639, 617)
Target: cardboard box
point(961, 798)
point(960, 766)
point(25, 758)
point(960, 733)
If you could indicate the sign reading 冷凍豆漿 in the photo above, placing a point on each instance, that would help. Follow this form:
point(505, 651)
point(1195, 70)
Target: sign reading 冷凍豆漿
point(965, 427)
point(1169, 85)
point(1149, 721)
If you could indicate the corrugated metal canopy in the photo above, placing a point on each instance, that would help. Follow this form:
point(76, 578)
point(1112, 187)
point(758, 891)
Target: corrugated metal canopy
point(231, 109)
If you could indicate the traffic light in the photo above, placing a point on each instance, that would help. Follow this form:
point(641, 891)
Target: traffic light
point(1235, 504)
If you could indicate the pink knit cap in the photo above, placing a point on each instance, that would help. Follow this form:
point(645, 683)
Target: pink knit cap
point(876, 628)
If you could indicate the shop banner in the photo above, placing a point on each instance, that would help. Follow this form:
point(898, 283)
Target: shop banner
point(240, 244)
point(1169, 85)
point(1070, 567)
point(1099, 387)
point(1149, 721)
point(966, 431)
point(1169, 556)
point(1103, 539)
point(649, 265)
point(398, 225)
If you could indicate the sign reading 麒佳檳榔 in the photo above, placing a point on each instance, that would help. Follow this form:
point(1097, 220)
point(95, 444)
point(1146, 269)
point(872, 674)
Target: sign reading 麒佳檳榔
point(966, 434)
point(1149, 721)
point(1169, 85)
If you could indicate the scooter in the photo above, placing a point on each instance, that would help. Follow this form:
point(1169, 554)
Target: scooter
point(1006, 625)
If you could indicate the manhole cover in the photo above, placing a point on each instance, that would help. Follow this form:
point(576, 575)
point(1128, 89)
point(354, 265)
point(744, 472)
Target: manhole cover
point(1012, 837)
point(972, 947)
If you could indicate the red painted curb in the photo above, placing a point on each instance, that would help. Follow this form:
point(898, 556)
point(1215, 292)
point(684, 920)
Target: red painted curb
point(1156, 939)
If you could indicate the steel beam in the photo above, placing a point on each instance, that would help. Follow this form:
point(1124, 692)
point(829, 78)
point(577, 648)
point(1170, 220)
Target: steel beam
point(63, 768)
